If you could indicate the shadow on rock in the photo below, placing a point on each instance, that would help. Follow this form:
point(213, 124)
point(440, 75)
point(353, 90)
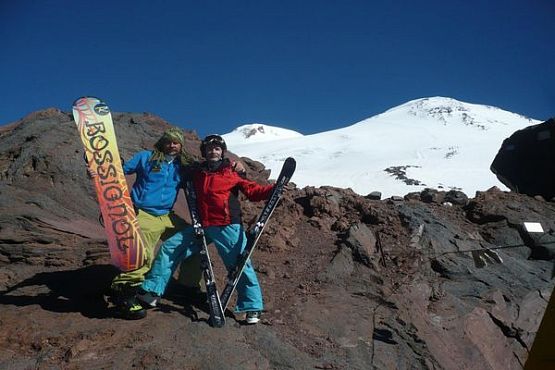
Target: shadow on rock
point(192, 303)
point(80, 290)
point(192, 300)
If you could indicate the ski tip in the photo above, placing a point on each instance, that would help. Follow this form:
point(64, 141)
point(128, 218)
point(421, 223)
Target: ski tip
point(290, 161)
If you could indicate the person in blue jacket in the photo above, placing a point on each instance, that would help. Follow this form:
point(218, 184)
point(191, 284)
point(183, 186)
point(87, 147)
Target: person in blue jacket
point(158, 180)
point(217, 188)
point(154, 193)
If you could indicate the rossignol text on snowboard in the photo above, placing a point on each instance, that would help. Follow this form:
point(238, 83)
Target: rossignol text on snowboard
point(95, 126)
point(254, 234)
point(217, 317)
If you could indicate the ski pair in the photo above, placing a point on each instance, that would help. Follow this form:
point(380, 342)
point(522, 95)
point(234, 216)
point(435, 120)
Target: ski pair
point(254, 234)
point(217, 304)
point(217, 317)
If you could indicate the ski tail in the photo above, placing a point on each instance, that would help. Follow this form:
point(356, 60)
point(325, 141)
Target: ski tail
point(217, 316)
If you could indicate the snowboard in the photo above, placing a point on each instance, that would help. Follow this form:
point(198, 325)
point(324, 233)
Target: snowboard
point(94, 122)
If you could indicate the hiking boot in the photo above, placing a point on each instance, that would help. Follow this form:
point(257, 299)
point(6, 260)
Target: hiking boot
point(148, 299)
point(131, 309)
point(253, 317)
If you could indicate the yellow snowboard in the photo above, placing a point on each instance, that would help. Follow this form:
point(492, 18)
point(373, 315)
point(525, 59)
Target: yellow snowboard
point(95, 126)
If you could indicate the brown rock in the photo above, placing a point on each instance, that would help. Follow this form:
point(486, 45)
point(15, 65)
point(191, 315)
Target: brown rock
point(398, 274)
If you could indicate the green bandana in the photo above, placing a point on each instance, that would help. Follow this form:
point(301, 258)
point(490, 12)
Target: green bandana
point(172, 134)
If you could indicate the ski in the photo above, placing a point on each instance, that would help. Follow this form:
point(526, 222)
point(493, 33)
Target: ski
point(254, 234)
point(217, 317)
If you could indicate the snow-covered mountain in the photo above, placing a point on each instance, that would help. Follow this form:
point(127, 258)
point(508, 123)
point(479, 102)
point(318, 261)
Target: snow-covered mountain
point(257, 133)
point(436, 142)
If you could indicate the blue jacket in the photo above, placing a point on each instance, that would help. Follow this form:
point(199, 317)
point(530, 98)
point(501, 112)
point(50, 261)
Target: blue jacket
point(155, 189)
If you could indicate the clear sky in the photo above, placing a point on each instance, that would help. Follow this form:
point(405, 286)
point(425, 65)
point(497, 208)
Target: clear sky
point(305, 65)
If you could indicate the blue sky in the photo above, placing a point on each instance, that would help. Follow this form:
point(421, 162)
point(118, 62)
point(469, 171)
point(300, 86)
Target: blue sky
point(310, 66)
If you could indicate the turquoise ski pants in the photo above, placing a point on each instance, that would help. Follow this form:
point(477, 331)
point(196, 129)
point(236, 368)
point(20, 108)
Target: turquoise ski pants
point(230, 241)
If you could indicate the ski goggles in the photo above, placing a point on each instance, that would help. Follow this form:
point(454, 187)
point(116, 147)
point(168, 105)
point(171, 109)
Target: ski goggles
point(215, 140)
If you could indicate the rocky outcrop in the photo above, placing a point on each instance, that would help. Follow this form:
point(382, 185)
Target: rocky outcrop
point(349, 281)
point(524, 161)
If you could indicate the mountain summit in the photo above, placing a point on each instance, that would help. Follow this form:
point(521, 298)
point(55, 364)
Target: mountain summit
point(258, 132)
point(435, 142)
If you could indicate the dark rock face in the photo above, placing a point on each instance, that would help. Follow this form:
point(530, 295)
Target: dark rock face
point(456, 197)
point(375, 195)
point(525, 163)
point(349, 281)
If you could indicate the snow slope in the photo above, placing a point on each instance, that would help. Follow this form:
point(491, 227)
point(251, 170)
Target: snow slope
point(436, 142)
point(257, 133)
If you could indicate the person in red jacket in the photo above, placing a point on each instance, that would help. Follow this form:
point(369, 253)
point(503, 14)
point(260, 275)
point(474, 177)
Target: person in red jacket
point(216, 185)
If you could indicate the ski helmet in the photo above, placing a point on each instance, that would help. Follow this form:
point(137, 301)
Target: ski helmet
point(215, 140)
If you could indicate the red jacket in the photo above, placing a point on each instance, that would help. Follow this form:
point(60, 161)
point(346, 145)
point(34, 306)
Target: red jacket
point(217, 194)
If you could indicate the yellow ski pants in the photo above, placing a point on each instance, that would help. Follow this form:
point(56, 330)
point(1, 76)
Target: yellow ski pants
point(154, 229)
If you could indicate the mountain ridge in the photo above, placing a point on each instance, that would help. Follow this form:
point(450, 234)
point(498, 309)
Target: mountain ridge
point(442, 143)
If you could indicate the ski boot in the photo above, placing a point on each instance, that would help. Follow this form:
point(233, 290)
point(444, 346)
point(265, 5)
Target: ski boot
point(125, 300)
